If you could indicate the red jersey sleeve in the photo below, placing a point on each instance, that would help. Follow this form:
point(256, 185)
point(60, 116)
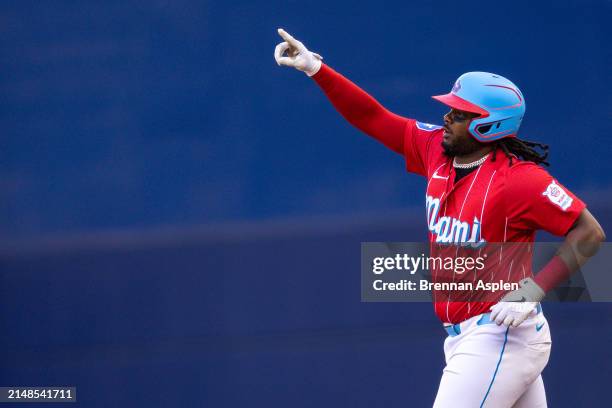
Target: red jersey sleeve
point(406, 136)
point(362, 110)
point(535, 200)
point(421, 142)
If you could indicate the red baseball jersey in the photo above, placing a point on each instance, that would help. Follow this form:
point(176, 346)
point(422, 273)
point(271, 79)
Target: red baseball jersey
point(496, 203)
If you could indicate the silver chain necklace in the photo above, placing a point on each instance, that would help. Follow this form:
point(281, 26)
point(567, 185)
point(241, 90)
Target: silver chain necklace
point(469, 165)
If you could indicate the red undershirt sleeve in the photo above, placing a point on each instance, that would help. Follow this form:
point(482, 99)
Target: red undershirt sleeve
point(361, 110)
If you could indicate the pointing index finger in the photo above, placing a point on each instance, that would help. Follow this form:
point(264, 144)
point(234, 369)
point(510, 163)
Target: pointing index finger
point(287, 37)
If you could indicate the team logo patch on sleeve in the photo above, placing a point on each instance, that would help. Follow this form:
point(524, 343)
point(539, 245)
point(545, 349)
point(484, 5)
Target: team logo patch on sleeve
point(427, 126)
point(558, 196)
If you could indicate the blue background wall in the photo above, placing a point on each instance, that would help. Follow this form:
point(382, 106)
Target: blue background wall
point(180, 218)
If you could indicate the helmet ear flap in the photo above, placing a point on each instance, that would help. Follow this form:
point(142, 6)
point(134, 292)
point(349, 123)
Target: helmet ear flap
point(484, 129)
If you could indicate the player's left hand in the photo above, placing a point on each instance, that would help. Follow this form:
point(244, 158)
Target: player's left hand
point(515, 306)
point(511, 314)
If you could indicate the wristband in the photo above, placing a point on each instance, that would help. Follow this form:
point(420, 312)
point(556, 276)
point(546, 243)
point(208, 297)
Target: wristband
point(554, 273)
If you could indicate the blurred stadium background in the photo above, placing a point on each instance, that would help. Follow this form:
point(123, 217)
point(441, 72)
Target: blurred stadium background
point(181, 219)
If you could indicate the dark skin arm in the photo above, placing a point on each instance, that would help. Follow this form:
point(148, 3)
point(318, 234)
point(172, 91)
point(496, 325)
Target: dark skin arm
point(582, 241)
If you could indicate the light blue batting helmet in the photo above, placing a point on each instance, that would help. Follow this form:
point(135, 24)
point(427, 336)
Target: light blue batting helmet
point(498, 102)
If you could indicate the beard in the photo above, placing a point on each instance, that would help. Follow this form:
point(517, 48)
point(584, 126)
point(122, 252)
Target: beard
point(465, 145)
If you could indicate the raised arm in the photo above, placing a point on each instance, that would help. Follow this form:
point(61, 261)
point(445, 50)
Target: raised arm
point(353, 103)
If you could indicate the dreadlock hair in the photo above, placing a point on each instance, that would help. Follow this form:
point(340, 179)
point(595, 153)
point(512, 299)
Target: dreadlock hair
point(524, 149)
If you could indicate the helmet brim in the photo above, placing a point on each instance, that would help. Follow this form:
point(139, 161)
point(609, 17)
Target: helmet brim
point(453, 101)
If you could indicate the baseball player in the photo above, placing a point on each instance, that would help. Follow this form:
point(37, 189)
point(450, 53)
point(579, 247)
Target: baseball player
point(484, 185)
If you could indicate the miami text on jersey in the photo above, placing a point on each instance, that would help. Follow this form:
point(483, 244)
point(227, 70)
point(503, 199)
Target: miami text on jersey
point(450, 230)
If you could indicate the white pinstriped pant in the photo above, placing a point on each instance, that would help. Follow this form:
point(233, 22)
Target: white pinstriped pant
point(494, 366)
